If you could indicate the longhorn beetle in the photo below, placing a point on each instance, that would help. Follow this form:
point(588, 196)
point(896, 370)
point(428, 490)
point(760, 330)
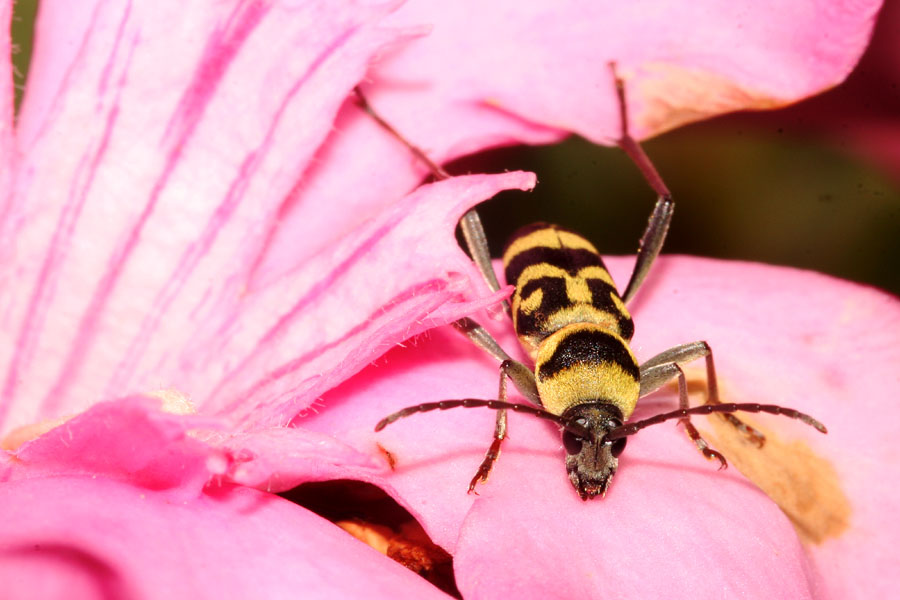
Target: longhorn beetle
point(574, 325)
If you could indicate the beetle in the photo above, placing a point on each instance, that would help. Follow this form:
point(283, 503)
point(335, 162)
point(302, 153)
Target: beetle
point(573, 323)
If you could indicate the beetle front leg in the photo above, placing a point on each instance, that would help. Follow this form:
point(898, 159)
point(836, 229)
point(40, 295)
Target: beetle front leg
point(522, 377)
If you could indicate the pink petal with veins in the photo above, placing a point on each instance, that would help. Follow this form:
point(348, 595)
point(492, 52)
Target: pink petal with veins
point(225, 543)
point(366, 182)
point(368, 291)
point(173, 220)
point(178, 199)
point(670, 524)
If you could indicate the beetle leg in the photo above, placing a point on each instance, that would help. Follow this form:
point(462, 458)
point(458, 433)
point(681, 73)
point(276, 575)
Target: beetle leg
point(522, 377)
point(662, 373)
point(658, 226)
point(686, 353)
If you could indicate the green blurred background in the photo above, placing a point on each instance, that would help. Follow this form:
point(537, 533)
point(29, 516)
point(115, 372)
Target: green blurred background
point(750, 195)
point(814, 186)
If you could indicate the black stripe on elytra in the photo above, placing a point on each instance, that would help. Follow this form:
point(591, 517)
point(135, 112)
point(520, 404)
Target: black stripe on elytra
point(591, 347)
point(554, 298)
point(601, 298)
point(529, 229)
point(570, 260)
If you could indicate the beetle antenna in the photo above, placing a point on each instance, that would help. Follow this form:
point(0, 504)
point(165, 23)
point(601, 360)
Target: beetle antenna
point(474, 403)
point(706, 409)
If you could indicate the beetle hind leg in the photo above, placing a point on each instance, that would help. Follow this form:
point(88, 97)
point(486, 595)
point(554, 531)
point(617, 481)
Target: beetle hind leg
point(653, 377)
point(656, 376)
point(712, 397)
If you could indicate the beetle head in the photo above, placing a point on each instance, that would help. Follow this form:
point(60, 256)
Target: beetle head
point(591, 460)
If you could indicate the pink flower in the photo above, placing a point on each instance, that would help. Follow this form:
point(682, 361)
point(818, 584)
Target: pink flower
point(192, 202)
point(860, 115)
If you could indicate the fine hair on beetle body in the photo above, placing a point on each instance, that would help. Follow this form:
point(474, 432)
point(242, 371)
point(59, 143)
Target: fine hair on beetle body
point(574, 325)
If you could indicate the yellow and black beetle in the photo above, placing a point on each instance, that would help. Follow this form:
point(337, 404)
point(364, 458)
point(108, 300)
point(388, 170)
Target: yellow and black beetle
point(570, 318)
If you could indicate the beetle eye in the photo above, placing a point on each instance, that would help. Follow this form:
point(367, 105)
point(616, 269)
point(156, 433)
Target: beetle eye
point(572, 442)
point(617, 447)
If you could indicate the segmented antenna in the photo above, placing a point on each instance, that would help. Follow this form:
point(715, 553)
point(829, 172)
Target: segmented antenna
point(614, 434)
point(475, 403)
point(706, 409)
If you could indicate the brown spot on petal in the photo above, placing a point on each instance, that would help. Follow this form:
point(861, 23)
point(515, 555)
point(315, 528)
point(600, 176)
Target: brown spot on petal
point(804, 484)
point(388, 456)
point(674, 95)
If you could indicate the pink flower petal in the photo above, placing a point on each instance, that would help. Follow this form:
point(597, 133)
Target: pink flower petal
point(164, 295)
point(369, 291)
point(181, 238)
point(128, 440)
point(677, 527)
point(365, 181)
point(683, 61)
point(83, 538)
point(671, 524)
point(862, 113)
point(161, 233)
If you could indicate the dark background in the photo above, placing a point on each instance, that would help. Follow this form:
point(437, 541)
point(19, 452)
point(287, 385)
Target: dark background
point(815, 185)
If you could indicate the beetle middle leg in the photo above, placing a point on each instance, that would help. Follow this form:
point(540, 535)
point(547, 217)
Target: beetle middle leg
point(663, 367)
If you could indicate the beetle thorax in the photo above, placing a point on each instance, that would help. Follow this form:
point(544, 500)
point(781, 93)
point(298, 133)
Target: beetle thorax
point(584, 363)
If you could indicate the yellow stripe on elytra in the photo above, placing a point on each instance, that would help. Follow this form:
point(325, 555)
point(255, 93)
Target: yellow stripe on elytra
point(576, 287)
point(581, 313)
point(546, 238)
point(531, 303)
point(596, 272)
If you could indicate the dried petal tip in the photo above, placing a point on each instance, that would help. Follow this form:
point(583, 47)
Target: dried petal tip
point(174, 402)
point(15, 438)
